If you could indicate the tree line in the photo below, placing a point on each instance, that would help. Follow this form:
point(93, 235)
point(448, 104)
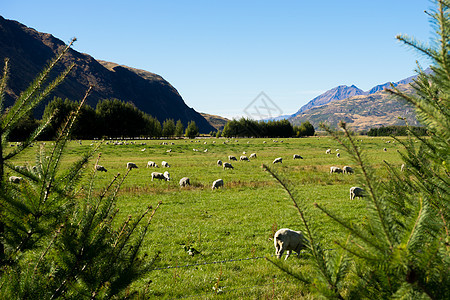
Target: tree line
point(110, 118)
point(252, 128)
point(397, 130)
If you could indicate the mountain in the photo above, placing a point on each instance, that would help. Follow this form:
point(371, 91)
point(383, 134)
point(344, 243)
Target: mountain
point(30, 50)
point(362, 112)
point(217, 121)
point(337, 93)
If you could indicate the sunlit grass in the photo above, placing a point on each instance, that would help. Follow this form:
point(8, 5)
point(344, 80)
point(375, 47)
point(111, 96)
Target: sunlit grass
point(234, 222)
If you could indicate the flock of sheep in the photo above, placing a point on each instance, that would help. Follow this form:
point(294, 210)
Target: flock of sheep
point(285, 240)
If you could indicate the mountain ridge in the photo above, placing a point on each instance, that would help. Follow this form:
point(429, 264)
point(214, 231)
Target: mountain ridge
point(30, 50)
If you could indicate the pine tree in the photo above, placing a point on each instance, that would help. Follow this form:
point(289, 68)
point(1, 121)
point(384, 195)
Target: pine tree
point(179, 129)
point(191, 130)
point(57, 239)
point(402, 250)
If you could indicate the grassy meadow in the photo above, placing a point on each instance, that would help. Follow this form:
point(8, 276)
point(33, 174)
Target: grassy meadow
point(234, 222)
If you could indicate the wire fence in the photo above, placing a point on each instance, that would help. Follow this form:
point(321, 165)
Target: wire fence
point(224, 289)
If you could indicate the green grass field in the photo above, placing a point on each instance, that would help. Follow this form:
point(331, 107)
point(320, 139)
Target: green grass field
point(237, 221)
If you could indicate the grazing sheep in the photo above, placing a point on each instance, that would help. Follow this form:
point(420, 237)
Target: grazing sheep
point(216, 184)
point(347, 170)
point(328, 151)
point(167, 175)
point(335, 170)
point(131, 165)
point(289, 240)
point(184, 181)
point(157, 175)
point(231, 157)
point(168, 151)
point(253, 155)
point(152, 164)
point(403, 167)
point(296, 156)
point(338, 155)
point(165, 164)
point(219, 163)
point(356, 192)
point(100, 168)
point(15, 179)
point(243, 157)
point(206, 150)
point(244, 152)
point(227, 165)
point(384, 149)
point(277, 160)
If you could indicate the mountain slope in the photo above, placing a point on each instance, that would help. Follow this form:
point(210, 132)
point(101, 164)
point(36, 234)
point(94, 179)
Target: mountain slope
point(362, 112)
point(337, 93)
point(30, 50)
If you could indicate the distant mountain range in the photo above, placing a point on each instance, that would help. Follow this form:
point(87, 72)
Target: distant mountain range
point(360, 109)
point(30, 50)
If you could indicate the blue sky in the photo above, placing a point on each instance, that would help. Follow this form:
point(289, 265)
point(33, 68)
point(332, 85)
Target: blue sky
point(220, 55)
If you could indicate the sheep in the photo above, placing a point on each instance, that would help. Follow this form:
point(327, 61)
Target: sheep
point(168, 151)
point(356, 192)
point(131, 165)
point(157, 175)
point(219, 163)
point(347, 170)
point(338, 155)
point(167, 175)
point(231, 157)
point(402, 167)
point(206, 150)
point(227, 165)
point(253, 155)
point(296, 156)
point(384, 149)
point(277, 160)
point(216, 184)
point(100, 168)
point(335, 170)
point(328, 151)
point(152, 164)
point(243, 157)
point(184, 181)
point(165, 164)
point(15, 179)
point(289, 240)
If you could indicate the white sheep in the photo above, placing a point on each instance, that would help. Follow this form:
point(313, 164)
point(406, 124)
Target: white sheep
point(100, 168)
point(338, 155)
point(253, 155)
point(296, 156)
point(231, 157)
point(277, 160)
point(403, 167)
point(165, 164)
point(167, 175)
point(219, 163)
point(356, 192)
point(328, 151)
point(227, 165)
point(347, 170)
point(158, 175)
point(185, 181)
point(289, 240)
point(384, 149)
point(131, 165)
point(151, 164)
point(15, 179)
point(216, 184)
point(243, 157)
point(335, 170)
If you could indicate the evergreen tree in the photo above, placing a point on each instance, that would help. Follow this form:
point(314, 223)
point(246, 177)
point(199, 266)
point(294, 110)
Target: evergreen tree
point(402, 249)
point(179, 129)
point(57, 239)
point(168, 128)
point(191, 130)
